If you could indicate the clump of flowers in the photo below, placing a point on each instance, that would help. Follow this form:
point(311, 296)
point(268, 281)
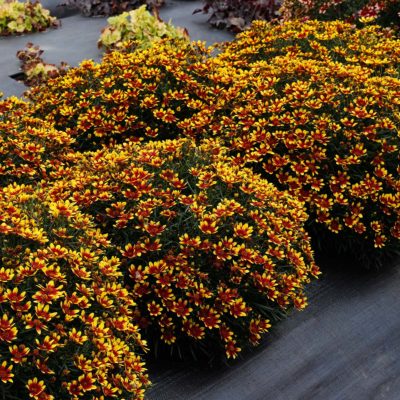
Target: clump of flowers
point(137, 26)
point(36, 70)
point(29, 146)
point(66, 326)
point(18, 17)
point(313, 104)
point(385, 12)
point(316, 105)
point(147, 94)
point(210, 251)
point(371, 48)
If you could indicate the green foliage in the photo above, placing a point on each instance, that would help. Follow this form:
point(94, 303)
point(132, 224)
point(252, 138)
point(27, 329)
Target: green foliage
point(17, 18)
point(35, 69)
point(137, 26)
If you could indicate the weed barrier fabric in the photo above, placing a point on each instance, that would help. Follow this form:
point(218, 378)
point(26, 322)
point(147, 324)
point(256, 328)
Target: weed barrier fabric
point(345, 345)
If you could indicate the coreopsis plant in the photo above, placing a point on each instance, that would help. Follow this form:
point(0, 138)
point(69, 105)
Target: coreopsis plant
point(139, 27)
point(210, 251)
point(316, 106)
point(384, 12)
point(313, 104)
point(66, 321)
point(29, 146)
point(147, 94)
point(18, 17)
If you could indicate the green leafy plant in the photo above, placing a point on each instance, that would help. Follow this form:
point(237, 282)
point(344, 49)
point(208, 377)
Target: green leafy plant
point(36, 70)
point(17, 18)
point(139, 27)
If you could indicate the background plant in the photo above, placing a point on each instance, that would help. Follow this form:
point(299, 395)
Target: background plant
point(383, 12)
point(36, 70)
point(237, 15)
point(92, 8)
point(138, 26)
point(21, 17)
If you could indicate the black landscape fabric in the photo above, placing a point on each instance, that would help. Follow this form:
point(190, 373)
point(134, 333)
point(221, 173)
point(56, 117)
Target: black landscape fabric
point(345, 345)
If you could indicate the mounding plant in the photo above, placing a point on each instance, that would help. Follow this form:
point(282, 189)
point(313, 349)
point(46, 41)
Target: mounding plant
point(315, 106)
point(91, 8)
point(66, 326)
point(383, 12)
point(312, 104)
point(148, 94)
point(35, 69)
point(18, 17)
point(139, 27)
point(211, 253)
point(236, 15)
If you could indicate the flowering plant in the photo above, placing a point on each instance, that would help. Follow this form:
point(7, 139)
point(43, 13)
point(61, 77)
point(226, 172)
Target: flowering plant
point(312, 103)
point(384, 12)
point(66, 327)
point(147, 94)
point(317, 107)
point(29, 146)
point(210, 251)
